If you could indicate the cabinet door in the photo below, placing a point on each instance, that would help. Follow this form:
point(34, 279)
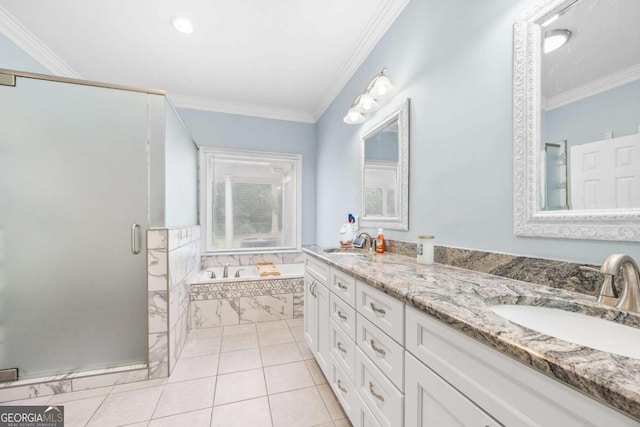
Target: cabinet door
point(323, 334)
point(432, 402)
point(310, 316)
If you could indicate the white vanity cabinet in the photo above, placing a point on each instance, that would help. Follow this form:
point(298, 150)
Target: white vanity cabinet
point(316, 311)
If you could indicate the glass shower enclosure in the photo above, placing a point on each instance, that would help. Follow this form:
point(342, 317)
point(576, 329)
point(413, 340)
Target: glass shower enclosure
point(74, 210)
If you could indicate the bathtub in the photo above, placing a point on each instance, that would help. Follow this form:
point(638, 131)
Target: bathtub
point(249, 298)
point(249, 273)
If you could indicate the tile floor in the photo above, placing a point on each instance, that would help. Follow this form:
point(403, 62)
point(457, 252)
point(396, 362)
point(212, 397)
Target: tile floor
point(252, 375)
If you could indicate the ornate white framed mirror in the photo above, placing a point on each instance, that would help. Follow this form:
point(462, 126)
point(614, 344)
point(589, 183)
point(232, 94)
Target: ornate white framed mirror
point(576, 66)
point(384, 169)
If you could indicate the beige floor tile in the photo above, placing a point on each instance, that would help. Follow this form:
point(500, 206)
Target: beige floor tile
point(241, 360)
point(269, 326)
point(331, 402)
point(240, 386)
point(200, 418)
point(295, 322)
point(287, 377)
point(316, 372)
point(201, 347)
point(276, 336)
point(239, 329)
point(77, 395)
point(126, 408)
point(186, 396)
point(239, 342)
point(196, 334)
point(28, 402)
point(139, 385)
point(142, 424)
point(195, 367)
point(300, 408)
point(253, 413)
point(79, 412)
point(329, 424)
point(298, 333)
point(344, 422)
point(305, 351)
point(280, 354)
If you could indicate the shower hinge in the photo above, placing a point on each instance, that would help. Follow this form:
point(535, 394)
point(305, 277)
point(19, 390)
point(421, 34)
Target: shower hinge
point(7, 79)
point(8, 375)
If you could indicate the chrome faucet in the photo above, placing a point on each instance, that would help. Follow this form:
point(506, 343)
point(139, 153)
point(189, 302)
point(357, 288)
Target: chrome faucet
point(225, 271)
point(238, 272)
point(368, 240)
point(630, 298)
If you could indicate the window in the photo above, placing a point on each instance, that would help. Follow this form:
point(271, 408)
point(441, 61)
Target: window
point(250, 200)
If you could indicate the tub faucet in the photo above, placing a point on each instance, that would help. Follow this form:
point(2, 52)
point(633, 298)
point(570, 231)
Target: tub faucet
point(630, 298)
point(238, 272)
point(225, 271)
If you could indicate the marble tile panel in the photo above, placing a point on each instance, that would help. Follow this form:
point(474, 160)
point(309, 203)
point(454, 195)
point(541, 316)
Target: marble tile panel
point(35, 390)
point(157, 240)
point(157, 275)
point(120, 388)
point(253, 259)
point(298, 305)
point(158, 312)
point(266, 308)
point(158, 355)
point(292, 257)
point(215, 290)
point(212, 313)
point(109, 379)
point(78, 395)
point(208, 261)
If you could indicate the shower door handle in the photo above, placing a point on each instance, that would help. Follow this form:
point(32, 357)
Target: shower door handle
point(135, 245)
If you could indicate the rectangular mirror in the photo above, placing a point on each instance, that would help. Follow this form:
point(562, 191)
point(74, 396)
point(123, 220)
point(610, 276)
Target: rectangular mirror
point(384, 183)
point(577, 120)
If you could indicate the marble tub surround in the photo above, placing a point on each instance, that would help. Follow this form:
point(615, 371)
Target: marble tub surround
point(238, 302)
point(173, 261)
point(462, 298)
point(236, 260)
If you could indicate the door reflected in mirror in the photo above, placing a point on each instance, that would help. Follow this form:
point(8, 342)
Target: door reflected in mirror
point(590, 140)
point(385, 170)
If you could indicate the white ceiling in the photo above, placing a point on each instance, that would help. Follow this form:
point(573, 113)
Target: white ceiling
point(605, 40)
point(284, 59)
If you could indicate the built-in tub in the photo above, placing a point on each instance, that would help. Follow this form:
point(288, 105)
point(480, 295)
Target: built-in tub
point(247, 299)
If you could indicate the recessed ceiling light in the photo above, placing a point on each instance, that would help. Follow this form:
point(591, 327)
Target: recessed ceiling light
point(555, 39)
point(182, 25)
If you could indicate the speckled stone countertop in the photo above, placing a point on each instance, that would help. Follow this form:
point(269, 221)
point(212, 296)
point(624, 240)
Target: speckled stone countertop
point(462, 299)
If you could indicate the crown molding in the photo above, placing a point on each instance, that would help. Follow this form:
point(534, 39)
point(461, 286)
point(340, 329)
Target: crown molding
point(600, 85)
point(32, 45)
point(221, 106)
point(378, 27)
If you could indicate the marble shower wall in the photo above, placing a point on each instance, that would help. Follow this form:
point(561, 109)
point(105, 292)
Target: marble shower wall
point(556, 274)
point(173, 261)
point(238, 302)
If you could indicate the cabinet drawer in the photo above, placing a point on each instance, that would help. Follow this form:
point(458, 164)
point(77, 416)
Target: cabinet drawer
point(378, 392)
point(343, 389)
point(343, 315)
point(384, 352)
point(318, 269)
point(384, 311)
point(364, 417)
point(344, 286)
point(343, 350)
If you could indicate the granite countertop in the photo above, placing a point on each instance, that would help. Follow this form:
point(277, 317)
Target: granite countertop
point(462, 299)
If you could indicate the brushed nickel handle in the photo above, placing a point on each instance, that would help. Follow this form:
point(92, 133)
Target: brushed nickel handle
point(135, 245)
point(311, 289)
point(376, 348)
point(340, 315)
point(342, 349)
point(342, 389)
point(374, 394)
point(341, 286)
point(376, 309)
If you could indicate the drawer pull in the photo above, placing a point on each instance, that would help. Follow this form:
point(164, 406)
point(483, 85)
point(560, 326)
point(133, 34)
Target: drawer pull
point(340, 315)
point(376, 348)
point(342, 389)
point(311, 288)
point(376, 309)
point(340, 347)
point(374, 394)
point(341, 286)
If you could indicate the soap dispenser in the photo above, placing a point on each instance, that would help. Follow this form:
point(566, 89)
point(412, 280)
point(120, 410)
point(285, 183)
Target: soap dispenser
point(380, 243)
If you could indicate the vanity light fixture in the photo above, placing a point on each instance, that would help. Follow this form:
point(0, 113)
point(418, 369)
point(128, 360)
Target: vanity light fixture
point(379, 88)
point(555, 39)
point(181, 24)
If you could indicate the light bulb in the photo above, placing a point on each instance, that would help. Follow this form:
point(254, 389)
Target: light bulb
point(555, 39)
point(182, 25)
point(366, 103)
point(382, 87)
point(353, 117)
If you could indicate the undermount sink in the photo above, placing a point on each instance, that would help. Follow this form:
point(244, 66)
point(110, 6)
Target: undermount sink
point(347, 251)
point(578, 328)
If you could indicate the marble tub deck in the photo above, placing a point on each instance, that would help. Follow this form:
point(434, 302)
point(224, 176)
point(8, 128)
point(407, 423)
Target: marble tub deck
point(462, 299)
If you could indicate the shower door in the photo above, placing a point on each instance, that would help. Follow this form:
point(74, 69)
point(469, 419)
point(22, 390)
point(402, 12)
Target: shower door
point(73, 181)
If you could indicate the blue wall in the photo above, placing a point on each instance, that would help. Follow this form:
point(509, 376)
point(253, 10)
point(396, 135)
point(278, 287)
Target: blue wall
point(253, 133)
point(453, 58)
point(14, 58)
